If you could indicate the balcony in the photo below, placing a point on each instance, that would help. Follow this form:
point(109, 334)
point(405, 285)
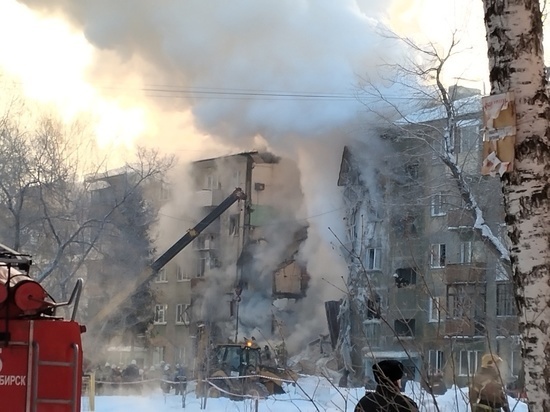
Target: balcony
point(460, 219)
point(208, 198)
point(465, 273)
point(465, 327)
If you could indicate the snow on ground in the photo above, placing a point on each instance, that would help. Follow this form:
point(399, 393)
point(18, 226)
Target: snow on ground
point(300, 398)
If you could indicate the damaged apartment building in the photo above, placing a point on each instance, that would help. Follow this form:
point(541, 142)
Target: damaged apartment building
point(240, 276)
point(424, 286)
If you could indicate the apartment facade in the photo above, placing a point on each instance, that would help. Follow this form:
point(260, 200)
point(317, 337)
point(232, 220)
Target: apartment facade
point(441, 294)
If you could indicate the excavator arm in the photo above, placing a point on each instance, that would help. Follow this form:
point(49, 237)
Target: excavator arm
point(160, 262)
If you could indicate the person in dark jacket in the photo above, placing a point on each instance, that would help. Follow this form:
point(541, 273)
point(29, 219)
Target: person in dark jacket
point(487, 392)
point(387, 397)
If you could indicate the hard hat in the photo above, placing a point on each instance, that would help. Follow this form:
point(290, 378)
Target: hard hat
point(133, 362)
point(490, 360)
point(107, 365)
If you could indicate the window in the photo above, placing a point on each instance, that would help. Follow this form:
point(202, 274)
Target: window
point(160, 314)
point(435, 360)
point(466, 301)
point(180, 274)
point(434, 309)
point(212, 182)
point(373, 258)
point(182, 314)
point(372, 333)
point(437, 255)
point(234, 224)
point(438, 204)
point(237, 178)
point(405, 277)
point(161, 276)
point(404, 327)
point(468, 362)
point(468, 136)
point(466, 252)
point(201, 265)
point(373, 308)
point(412, 170)
point(505, 300)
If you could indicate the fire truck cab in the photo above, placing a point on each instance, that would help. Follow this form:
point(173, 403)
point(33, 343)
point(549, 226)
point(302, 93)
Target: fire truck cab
point(40, 353)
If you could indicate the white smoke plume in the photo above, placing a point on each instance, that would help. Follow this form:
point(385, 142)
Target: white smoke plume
point(245, 73)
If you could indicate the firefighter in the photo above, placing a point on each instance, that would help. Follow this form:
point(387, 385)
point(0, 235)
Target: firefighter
point(487, 391)
point(387, 397)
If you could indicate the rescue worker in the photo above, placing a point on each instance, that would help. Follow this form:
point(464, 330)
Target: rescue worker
point(180, 379)
point(130, 374)
point(387, 397)
point(487, 390)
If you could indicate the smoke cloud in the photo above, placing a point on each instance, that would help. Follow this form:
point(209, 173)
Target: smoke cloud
point(244, 74)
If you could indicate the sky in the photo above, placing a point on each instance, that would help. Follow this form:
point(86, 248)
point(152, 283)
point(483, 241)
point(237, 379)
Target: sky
point(93, 59)
point(326, 397)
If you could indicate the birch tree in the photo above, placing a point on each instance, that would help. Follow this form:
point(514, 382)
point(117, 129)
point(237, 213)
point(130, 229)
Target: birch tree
point(516, 64)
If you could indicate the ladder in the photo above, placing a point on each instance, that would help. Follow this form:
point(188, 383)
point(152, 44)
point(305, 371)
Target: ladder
point(73, 402)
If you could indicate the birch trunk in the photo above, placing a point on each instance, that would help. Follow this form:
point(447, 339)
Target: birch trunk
point(514, 39)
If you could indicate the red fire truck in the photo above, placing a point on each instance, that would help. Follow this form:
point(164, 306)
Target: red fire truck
point(40, 353)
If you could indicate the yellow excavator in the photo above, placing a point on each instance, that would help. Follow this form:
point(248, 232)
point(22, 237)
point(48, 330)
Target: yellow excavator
point(238, 370)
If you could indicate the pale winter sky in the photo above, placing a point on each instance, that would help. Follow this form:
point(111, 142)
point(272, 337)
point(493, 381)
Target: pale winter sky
point(54, 55)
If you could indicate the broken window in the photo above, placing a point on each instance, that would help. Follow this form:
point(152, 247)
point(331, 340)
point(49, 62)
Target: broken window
point(405, 277)
point(404, 327)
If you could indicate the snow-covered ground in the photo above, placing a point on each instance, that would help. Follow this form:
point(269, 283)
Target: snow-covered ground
point(311, 394)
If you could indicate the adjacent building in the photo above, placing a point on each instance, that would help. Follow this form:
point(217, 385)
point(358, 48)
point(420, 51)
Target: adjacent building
point(433, 292)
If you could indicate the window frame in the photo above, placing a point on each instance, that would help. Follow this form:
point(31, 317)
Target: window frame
point(160, 309)
point(471, 368)
point(182, 316)
point(508, 304)
point(435, 360)
point(438, 255)
point(181, 275)
point(162, 276)
point(434, 303)
point(466, 252)
point(437, 204)
point(373, 262)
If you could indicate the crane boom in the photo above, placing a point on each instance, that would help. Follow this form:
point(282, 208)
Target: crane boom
point(166, 257)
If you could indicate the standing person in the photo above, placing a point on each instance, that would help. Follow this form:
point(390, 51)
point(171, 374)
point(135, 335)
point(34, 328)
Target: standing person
point(387, 397)
point(487, 390)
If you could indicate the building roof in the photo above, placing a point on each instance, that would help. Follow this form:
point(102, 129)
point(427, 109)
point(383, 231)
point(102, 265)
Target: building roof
point(463, 107)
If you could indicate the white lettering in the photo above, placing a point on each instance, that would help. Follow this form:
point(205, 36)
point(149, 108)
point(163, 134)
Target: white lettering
point(13, 380)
